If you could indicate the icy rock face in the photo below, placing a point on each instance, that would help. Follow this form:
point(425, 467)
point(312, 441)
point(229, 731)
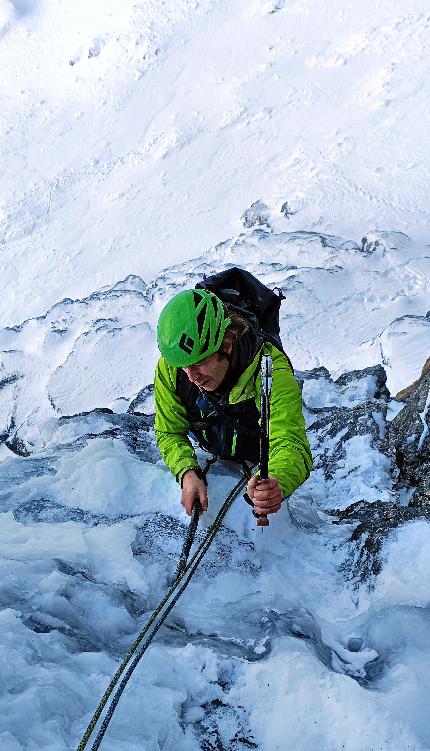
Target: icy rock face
point(406, 392)
point(347, 427)
point(71, 432)
point(345, 414)
point(136, 431)
point(144, 402)
point(160, 535)
point(408, 445)
point(100, 351)
point(373, 523)
point(92, 526)
point(409, 439)
point(256, 216)
point(101, 545)
point(97, 352)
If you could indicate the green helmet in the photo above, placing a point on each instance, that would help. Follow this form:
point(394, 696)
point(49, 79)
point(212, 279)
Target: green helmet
point(191, 327)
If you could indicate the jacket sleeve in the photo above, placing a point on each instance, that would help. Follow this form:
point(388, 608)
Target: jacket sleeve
point(171, 423)
point(290, 458)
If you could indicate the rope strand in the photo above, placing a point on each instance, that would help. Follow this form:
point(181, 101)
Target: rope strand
point(187, 572)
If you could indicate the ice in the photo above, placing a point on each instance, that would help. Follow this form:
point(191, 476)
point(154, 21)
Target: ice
point(424, 420)
point(95, 477)
point(104, 471)
point(315, 708)
point(143, 146)
point(406, 576)
point(269, 638)
point(90, 536)
point(394, 408)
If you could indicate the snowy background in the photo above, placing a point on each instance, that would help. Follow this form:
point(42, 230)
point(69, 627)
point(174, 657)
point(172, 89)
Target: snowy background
point(143, 145)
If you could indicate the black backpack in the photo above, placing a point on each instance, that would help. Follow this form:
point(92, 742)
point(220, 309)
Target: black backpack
point(249, 297)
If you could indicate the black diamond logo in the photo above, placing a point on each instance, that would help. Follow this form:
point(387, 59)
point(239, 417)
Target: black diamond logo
point(186, 343)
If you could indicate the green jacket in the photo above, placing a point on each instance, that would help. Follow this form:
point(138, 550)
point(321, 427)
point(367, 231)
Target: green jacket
point(290, 459)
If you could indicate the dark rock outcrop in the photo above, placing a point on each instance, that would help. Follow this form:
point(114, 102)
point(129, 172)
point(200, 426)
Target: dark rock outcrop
point(409, 442)
point(256, 216)
point(376, 373)
point(373, 522)
point(403, 394)
point(136, 430)
point(361, 411)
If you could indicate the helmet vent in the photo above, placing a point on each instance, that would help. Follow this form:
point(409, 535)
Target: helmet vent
point(201, 317)
point(214, 302)
point(218, 330)
point(197, 298)
point(205, 346)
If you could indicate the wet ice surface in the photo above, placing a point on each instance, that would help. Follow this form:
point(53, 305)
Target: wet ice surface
point(269, 641)
point(303, 635)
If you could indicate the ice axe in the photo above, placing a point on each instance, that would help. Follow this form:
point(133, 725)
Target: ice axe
point(266, 392)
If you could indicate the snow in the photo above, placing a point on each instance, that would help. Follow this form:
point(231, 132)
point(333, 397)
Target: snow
point(142, 146)
point(103, 471)
point(322, 712)
point(405, 579)
point(134, 133)
point(80, 595)
point(100, 351)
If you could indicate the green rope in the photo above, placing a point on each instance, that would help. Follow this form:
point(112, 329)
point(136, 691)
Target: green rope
point(187, 572)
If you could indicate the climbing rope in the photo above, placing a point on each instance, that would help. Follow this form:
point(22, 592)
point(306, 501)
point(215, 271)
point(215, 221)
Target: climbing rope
point(189, 539)
point(167, 604)
point(192, 528)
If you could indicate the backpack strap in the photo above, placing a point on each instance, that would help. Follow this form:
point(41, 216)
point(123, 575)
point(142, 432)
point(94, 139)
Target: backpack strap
point(186, 390)
point(276, 341)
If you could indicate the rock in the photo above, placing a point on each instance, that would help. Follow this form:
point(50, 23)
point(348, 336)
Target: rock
point(377, 375)
point(17, 446)
point(320, 372)
point(286, 210)
point(406, 392)
point(256, 216)
point(10, 379)
point(369, 246)
point(374, 522)
point(144, 402)
point(409, 440)
point(136, 430)
point(337, 426)
point(357, 404)
point(408, 444)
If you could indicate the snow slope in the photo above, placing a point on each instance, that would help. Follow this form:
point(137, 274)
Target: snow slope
point(135, 134)
point(347, 306)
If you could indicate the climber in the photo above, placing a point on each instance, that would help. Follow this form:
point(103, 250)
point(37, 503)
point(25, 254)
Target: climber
point(206, 386)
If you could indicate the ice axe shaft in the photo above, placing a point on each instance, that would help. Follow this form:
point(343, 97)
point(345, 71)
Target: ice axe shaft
point(266, 393)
